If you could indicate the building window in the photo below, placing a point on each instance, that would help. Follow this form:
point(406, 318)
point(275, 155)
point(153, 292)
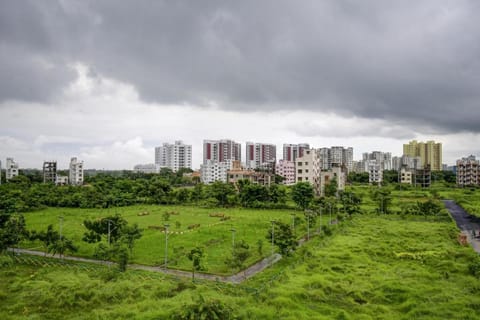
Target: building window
point(299, 164)
point(299, 170)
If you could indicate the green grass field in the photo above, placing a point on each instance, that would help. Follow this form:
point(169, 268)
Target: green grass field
point(213, 234)
point(372, 267)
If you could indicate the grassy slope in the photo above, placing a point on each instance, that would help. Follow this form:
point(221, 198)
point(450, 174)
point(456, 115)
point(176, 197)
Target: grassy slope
point(372, 268)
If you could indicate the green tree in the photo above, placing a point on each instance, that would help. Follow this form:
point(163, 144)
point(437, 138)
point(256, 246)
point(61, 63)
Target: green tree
point(221, 192)
point(241, 252)
point(383, 198)
point(283, 238)
point(302, 194)
point(61, 246)
point(203, 309)
point(47, 237)
point(331, 188)
point(12, 230)
point(196, 255)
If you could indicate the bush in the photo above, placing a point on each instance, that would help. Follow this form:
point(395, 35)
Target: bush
point(5, 261)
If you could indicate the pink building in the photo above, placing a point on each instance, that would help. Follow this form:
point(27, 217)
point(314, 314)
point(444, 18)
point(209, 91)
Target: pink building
point(286, 169)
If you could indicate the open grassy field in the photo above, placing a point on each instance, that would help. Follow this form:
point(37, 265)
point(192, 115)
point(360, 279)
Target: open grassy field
point(213, 234)
point(372, 267)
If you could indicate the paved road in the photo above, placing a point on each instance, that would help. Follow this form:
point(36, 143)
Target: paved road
point(466, 223)
point(236, 278)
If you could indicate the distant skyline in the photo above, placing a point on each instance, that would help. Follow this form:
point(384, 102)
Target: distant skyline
point(109, 81)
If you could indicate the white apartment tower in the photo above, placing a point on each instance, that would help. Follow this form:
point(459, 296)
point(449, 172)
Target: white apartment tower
point(174, 156)
point(292, 151)
point(214, 171)
point(260, 154)
point(221, 150)
point(76, 172)
point(11, 169)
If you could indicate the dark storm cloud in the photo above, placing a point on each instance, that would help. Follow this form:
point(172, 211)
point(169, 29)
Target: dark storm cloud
point(411, 62)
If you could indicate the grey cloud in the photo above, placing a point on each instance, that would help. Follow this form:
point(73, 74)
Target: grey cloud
point(407, 62)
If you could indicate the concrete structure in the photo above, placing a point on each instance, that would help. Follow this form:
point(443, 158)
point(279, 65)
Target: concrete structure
point(336, 173)
point(375, 172)
point(11, 169)
point(406, 175)
point(286, 169)
point(260, 155)
point(49, 171)
point(307, 169)
point(429, 152)
point(384, 159)
point(146, 168)
point(292, 151)
point(214, 171)
point(61, 180)
point(221, 151)
point(468, 172)
point(174, 156)
point(324, 158)
point(76, 172)
point(422, 177)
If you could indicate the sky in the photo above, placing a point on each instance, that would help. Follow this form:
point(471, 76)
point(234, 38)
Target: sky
point(107, 81)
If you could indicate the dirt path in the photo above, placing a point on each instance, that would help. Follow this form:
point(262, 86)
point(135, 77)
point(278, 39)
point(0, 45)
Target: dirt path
point(236, 278)
point(466, 222)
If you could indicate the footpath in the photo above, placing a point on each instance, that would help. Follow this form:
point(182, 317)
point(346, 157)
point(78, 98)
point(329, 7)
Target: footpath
point(235, 278)
point(468, 224)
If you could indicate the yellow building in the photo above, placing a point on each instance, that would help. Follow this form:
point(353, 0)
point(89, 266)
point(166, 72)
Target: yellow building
point(429, 152)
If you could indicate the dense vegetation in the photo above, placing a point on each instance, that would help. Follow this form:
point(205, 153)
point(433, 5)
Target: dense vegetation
point(372, 267)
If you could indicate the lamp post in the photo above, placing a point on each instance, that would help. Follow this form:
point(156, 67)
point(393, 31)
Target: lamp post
point(61, 226)
point(308, 225)
point(233, 239)
point(293, 222)
point(273, 233)
point(110, 230)
point(166, 244)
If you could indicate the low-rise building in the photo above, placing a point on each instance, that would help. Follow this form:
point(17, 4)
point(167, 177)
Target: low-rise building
point(337, 174)
point(286, 169)
point(468, 172)
point(237, 173)
point(146, 168)
point(61, 180)
point(375, 173)
point(406, 175)
point(11, 169)
point(49, 171)
point(212, 171)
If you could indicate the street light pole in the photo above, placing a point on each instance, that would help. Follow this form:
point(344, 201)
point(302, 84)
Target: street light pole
point(308, 226)
point(61, 226)
point(273, 233)
point(293, 222)
point(166, 244)
point(233, 239)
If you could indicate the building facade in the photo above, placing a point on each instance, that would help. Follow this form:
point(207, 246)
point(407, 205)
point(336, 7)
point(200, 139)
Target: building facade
point(260, 155)
point(430, 153)
point(11, 169)
point(307, 169)
point(214, 171)
point(468, 173)
point(375, 172)
point(336, 174)
point(146, 168)
point(292, 151)
point(76, 172)
point(286, 169)
point(221, 151)
point(174, 156)
point(49, 171)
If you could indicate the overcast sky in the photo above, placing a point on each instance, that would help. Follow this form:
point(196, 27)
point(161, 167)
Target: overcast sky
point(107, 81)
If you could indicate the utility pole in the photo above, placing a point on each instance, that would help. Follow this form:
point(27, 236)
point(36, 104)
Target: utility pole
point(308, 225)
point(273, 235)
point(233, 239)
point(166, 244)
point(61, 226)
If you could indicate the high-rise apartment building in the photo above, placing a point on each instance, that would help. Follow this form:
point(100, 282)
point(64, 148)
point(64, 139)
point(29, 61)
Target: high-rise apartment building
point(212, 171)
point(384, 159)
point(292, 151)
point(429, 152)
point(76, 172)
point(336, 156)
point(174, 156)
point(468, 171)
point(49, 171)
point(221, 150)
point(260, 155)
point(11, 169)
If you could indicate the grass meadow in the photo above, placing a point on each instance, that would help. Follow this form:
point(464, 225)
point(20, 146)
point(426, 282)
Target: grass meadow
point(371, 267)
point(213, 233)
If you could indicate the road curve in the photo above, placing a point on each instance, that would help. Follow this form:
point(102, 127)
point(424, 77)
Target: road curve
point(467, 223)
